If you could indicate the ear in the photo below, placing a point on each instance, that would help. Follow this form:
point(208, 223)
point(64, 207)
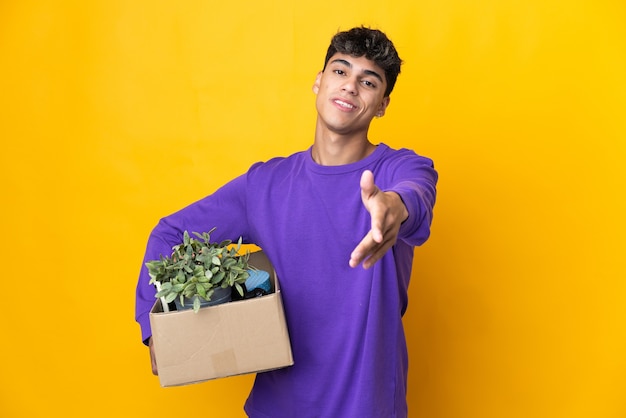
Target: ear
point(383, 106)
point(316, 84)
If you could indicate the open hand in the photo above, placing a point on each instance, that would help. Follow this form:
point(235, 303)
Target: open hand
point(387, 212)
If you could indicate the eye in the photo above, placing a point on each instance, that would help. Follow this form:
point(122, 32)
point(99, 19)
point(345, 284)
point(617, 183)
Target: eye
point(369, 83)
point(339, 72)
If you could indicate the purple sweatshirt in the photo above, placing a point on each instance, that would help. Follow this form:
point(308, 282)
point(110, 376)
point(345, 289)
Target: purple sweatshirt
point(345, 324)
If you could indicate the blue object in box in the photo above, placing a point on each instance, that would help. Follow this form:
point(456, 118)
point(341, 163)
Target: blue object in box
point(258, 279)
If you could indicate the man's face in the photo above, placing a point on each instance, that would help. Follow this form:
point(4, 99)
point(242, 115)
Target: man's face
point(350, 92)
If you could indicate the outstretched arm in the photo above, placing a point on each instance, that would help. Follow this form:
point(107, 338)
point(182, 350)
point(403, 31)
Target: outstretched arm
point(387, 211)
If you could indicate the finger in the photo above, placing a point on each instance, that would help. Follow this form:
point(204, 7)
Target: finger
point(377, 254)
point(377, 217)
point(369, 252)
point(362, 250)
point(368, 191)
point(368, 187)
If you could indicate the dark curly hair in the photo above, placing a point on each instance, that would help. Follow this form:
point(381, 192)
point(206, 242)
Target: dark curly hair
point(371, 43)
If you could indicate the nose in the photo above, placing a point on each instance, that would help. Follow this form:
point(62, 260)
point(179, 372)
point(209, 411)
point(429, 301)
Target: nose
point(349, 86)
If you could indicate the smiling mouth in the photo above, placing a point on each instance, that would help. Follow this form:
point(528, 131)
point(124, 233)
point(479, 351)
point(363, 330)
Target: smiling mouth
point(344, 105)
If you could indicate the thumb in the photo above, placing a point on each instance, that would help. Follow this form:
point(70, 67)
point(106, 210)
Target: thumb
point(368, 188)
point(368, 191)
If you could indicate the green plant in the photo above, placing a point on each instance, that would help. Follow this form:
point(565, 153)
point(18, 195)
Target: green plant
point(197, 267)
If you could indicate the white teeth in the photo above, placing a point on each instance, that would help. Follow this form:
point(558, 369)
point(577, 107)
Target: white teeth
point(344, 104)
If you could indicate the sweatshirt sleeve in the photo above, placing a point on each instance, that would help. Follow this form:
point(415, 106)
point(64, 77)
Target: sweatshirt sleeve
point(225, 209)
point(416, 183)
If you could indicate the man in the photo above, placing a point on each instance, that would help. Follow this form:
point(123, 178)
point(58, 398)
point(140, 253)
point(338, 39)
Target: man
point(339, 222)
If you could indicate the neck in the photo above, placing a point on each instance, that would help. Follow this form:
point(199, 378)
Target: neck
point(331, 148)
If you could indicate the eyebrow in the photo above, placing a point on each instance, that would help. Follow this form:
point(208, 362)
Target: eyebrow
point(349, 65)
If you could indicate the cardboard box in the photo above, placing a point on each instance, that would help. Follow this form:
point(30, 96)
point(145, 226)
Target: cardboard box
point(233, 338)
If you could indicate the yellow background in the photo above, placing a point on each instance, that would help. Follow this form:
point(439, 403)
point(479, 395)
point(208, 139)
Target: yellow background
point(115, 113)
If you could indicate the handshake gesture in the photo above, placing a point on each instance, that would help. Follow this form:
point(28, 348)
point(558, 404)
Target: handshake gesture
point(387, 212)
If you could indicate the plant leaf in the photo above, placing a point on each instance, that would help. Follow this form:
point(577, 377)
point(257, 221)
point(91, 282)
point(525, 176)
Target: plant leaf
point(218, 277)
point(201, 291)
point(190, 290)
point(170, 297)
point(239, 289)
